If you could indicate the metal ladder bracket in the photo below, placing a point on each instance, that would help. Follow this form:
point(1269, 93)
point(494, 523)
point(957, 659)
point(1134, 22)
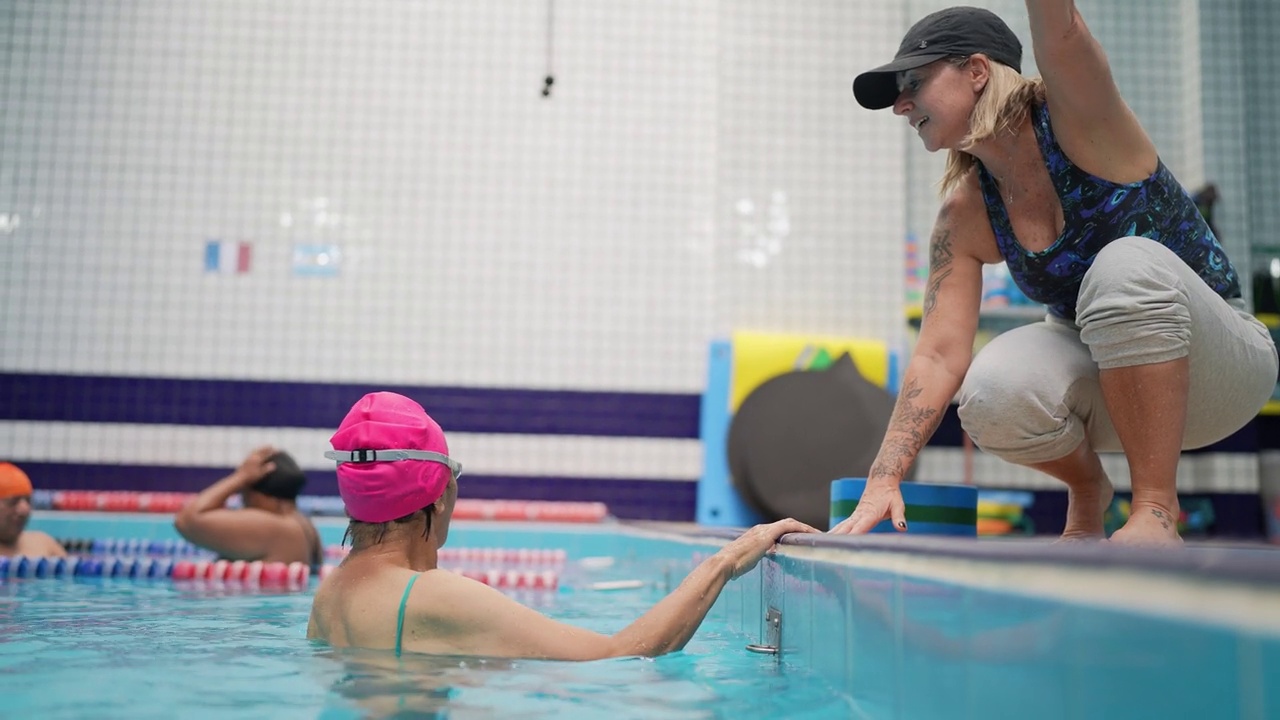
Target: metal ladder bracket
point(772, 644)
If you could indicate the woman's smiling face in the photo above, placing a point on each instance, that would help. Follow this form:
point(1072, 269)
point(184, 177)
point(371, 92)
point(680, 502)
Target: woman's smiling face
point(937, 100)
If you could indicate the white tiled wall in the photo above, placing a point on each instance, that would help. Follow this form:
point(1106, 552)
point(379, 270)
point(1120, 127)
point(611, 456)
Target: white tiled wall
point(811, 187)
point(1261, 93)
point(488, 235)
point(699, 167)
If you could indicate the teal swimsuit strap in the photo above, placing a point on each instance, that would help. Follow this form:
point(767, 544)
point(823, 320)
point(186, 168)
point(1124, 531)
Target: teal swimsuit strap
point(400, 618)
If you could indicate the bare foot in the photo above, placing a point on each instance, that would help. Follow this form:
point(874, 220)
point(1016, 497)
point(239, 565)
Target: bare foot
point(1086, 506)
point(1149, 526)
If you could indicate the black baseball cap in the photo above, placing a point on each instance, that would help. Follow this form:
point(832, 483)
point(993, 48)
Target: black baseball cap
point(956, 31)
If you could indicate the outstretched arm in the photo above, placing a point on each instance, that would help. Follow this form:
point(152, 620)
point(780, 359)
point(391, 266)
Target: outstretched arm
point(466, 618)
point(938, 365)
point(945, 346)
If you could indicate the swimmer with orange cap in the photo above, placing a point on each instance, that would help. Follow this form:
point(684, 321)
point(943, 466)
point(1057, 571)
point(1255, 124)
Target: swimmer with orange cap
point(399, 486)
point(15, 511)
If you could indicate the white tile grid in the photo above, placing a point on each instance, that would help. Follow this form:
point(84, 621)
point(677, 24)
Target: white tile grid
point(480, 453)
point(810, 197)
point(1225, 121)
point(1204, 472)
point(577, 229)
point(535, 243)
point(1262, 130)
point(1192, 169)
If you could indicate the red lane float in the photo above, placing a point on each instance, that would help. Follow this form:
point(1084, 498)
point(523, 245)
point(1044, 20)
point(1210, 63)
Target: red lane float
point(530, 511)
point(239, 571)
point(499, 510)
point(515, 579)
point(157, 502)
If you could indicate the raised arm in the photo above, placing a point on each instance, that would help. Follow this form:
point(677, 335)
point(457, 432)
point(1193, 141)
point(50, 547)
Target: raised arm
point(943, 352)
point(464, 617)
point(241, 534)
point(1094, 125)
point(1072, 63)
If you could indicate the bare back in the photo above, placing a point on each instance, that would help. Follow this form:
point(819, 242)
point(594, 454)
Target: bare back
point(300, 540)
point(286, 537)
point(358, 603)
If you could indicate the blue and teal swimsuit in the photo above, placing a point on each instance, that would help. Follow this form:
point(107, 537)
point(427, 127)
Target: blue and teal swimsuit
point(1097, 212)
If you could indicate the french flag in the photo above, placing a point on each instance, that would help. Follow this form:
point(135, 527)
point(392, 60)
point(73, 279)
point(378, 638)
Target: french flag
point(226, 257)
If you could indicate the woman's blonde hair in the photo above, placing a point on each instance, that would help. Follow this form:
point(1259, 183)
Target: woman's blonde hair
point(1004, 103)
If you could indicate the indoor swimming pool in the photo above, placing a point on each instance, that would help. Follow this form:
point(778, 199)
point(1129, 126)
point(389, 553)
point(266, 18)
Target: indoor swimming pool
point(151, 649)
point(879, 628)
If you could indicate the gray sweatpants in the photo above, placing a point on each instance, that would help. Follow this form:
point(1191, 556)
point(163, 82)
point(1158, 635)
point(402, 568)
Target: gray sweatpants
point(1032, 394)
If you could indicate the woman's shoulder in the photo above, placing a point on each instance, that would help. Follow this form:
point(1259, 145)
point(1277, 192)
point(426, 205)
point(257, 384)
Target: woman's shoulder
point(1106, 140)
point(964, 200)
point(964, 218)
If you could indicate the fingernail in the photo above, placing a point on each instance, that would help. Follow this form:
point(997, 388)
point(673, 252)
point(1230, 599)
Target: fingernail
point(902, 524)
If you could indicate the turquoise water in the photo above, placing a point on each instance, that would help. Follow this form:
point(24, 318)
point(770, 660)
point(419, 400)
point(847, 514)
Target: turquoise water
point(153, 649)
point(857, 642)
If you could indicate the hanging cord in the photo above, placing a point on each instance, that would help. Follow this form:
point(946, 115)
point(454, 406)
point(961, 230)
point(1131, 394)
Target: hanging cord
point(550, 78)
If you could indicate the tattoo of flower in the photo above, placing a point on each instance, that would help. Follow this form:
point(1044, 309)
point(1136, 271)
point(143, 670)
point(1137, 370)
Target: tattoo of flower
point(909, 429)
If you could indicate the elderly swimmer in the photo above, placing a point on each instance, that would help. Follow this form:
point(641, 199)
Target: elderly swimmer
point(399, 486)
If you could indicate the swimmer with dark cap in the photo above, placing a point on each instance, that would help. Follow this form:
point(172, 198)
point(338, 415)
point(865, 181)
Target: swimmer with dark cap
point(399, 486)
point(15, 512)
point(269, 527)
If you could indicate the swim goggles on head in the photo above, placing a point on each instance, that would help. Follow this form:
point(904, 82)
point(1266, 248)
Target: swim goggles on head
point(368, 456)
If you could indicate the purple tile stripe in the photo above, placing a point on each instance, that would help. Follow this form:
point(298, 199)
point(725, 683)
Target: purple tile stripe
point(246, 403)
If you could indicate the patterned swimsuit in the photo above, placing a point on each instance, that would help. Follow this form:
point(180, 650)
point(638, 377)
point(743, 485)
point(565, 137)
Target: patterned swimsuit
point(1097, 212)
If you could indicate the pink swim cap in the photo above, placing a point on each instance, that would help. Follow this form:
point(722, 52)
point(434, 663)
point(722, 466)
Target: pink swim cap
point(381, 491)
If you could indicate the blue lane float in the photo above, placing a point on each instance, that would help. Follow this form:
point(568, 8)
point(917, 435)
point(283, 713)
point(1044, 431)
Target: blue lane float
point(42, 500)
point(133, 546)
point(931, 509)
point(321, 505)
point(65, 567)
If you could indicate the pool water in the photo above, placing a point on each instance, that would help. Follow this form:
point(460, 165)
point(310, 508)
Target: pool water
point(952, 631)
point(155, 649)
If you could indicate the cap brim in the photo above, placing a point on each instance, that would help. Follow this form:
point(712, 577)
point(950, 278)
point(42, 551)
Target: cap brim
point(877, 89)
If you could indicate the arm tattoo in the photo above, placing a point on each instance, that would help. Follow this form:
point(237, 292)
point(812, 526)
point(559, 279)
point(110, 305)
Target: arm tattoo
point(940, 257)
point(910, 428)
